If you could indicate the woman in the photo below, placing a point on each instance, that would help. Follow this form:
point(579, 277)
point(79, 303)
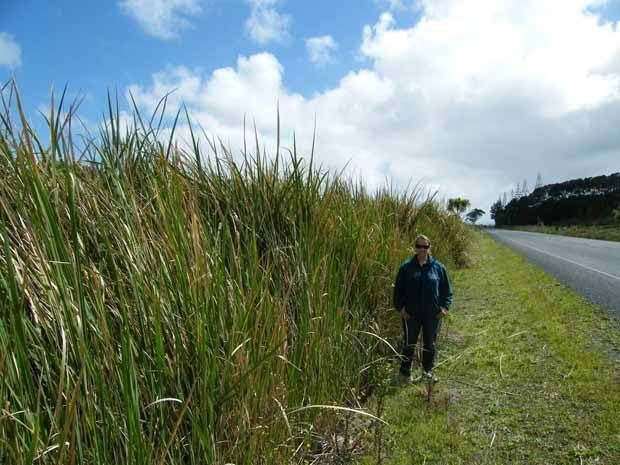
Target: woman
point(422, 295)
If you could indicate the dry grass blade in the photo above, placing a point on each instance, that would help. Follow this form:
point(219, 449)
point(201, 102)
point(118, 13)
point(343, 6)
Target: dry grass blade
point(162, 459)
point(339, 408)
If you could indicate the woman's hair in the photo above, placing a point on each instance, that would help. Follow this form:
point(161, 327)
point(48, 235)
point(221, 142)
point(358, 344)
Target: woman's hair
point(424, 238)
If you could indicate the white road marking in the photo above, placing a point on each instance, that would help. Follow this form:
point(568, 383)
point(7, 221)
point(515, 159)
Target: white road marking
point(566, 260)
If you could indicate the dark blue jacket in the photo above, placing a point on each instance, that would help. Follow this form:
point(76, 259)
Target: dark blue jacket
point(421, 290)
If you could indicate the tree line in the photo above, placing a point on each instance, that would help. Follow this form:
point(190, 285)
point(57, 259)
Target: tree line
point(574, 201)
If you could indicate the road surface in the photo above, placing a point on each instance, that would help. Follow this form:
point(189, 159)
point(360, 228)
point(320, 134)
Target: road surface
point(588, 266)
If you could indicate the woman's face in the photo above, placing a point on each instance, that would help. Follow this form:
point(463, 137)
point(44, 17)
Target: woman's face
point(422, 248)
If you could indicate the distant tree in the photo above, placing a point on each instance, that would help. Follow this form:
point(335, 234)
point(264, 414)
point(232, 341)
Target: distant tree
point(496, 210)
point(458, 205)
point(570, 202)
point(474, 215)
point(538, 181)
point(524, 190)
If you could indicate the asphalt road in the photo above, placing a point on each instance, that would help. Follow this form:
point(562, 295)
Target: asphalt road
point(589, 267)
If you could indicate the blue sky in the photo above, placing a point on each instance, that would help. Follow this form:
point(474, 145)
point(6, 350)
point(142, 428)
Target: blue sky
point(466, 97)
point(93, 45)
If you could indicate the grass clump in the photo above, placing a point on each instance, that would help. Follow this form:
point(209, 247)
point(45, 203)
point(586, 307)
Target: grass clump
point(162, 305)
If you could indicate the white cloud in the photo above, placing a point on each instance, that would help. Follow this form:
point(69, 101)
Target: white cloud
point(472, 99)
point(320, 49)
point(265, 23)
point(164, 19)
point(10, 51)
point(479, 49)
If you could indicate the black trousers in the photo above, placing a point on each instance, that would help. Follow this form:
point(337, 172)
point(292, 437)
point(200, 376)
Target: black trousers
point(411, 330)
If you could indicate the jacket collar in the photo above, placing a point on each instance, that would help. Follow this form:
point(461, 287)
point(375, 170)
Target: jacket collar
point(429, 262)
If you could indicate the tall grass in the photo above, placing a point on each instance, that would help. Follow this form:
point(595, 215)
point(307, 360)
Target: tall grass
point(161, 305)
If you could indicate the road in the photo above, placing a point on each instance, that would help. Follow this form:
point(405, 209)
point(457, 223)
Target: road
point(589, 267)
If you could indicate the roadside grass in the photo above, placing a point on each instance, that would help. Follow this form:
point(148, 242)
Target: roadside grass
point(606, 232)
point(529, 374)
point(188, 304)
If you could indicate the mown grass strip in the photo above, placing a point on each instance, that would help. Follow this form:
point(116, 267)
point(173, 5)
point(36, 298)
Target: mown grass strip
point(606, 232)
point(529, 373)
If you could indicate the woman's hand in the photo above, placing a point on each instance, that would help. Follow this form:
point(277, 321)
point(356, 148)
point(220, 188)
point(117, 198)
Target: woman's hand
point(403, 314)
point(442, 312)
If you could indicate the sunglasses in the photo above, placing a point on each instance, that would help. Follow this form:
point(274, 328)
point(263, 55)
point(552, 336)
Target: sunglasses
point(418, 246)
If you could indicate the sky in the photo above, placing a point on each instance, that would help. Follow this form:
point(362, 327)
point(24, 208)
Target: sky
point(467, 98)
